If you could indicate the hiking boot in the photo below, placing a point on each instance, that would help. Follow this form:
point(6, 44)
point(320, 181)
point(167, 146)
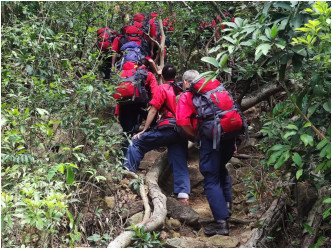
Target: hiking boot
point(229, 207)
point(219, 227)
point(184, 201)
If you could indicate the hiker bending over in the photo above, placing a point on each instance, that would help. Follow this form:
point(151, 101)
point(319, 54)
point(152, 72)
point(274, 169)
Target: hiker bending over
point(134, 90)
point(164, 134)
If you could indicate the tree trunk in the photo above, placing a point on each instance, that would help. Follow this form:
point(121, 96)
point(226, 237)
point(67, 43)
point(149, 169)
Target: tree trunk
point(259, 96)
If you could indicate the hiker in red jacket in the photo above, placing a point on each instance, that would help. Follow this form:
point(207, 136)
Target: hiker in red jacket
point(217, 185)
point(133, 98)
point(164, 134)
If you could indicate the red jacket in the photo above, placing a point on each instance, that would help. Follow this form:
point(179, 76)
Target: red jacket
point(164, 96)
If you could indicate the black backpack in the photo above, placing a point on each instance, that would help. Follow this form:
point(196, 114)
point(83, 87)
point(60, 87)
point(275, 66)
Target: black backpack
point(219, 117)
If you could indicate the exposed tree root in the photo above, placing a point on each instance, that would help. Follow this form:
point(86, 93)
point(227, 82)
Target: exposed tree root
point(158, 216)
point(315, 218)
point(144, 196)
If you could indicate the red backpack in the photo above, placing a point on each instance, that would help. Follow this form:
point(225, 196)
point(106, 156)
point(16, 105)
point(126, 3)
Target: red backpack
point(105, 38)
point(131, 86)
point(219, 117)
point(132, 33)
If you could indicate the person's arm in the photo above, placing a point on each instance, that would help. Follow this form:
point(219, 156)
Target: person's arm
point(113, 59)
point(152, 82)
point(189, 130)
point(153, 66)
point(152, 113)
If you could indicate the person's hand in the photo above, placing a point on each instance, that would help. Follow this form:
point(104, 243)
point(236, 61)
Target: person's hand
point(235, 151)
point(136, 136)
point(159, 72)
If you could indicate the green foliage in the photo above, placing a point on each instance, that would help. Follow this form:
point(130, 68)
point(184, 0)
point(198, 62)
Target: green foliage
point(54, 134)
point(136, 183)
point(145, 240)
point(99, 241)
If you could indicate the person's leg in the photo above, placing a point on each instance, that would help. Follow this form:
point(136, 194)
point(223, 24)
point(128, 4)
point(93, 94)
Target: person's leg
point(210, 169)
point(130, 120)
point(177, 158)
point(149, 140)
point(227, 149)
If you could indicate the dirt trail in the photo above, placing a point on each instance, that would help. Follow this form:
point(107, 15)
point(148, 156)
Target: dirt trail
point(239, 233)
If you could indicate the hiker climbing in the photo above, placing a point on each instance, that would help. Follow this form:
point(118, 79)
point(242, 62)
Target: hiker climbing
point(134, 89)
point(164, 134)
point(207, 112)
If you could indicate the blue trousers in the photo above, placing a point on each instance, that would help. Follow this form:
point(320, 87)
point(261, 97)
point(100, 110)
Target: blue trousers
point(177, 154)
point(217, 182)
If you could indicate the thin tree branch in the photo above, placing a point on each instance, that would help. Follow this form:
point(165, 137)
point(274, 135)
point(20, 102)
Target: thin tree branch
point(215, 5)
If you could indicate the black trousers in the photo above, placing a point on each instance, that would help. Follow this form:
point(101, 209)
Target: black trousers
point(131, 117)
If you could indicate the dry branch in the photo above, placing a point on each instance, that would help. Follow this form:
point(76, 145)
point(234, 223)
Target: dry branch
point(259, 96)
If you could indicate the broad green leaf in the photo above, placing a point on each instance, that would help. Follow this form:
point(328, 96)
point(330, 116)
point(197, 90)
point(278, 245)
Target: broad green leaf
point(94, 237)
point(231, 40)
point(327, 200)
point(289, 133)
point(223, 60)
point(211, 60)
point(277, 147)
point(214, 49)
point(327, 213)
point(52, 171)
point(247, 43)
point(70, 175)
point(284, 5)
point(308, 124)
point(230, 24)
point(274, 31)
point(274, 157)
point(238, 21)
point(299, 173)
point(282, 159)
point(268, 33)
point(300, 50)
point(78, 147)
point(72, 165)
point(293, 127)
point(71, 223)
point(312, 109)
point(264, 48)
point(230, 49)
point(322, 143)
point(327, 107)
point(266, 7)
point(62, 168)
point(297, 159)
point(307, 139)
point(39, 223)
